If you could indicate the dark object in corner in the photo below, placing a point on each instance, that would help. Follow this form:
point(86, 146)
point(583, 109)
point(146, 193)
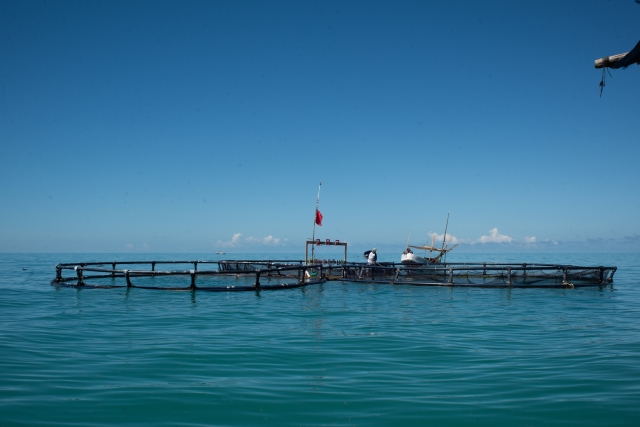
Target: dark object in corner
point(632, 57)
point(622, 60)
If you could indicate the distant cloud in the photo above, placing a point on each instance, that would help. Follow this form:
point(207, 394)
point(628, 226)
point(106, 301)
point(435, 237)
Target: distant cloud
point(270, 240)
point(548, 242)
point(235, 241)
point(131, 247)
point(530, 239)
point(267, 241)
point(495, 237)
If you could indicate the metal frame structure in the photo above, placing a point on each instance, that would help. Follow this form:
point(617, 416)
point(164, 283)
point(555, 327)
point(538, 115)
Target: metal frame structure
point(318, 242)
point(285, 274)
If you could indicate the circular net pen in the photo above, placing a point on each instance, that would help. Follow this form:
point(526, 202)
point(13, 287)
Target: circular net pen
point(485, 275)
point(250, 275)
point(213, 276)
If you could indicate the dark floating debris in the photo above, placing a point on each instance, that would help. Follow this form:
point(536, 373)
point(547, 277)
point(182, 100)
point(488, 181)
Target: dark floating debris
point(254, 275)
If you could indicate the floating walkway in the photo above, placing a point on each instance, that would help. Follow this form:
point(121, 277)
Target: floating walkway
point(255, 275)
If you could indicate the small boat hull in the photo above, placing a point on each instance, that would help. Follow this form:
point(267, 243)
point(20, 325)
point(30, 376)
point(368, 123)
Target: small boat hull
point(413, 259)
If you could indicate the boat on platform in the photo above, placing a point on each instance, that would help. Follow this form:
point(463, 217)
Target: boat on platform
point(436, 255)
point(410, 258)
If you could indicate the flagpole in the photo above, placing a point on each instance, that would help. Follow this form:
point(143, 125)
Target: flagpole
point(313, 247)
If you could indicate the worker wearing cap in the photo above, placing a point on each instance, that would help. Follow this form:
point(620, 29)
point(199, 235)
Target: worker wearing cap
point(372, 257)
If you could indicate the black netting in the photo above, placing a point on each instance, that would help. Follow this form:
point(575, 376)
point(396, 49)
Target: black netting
point(277, 274)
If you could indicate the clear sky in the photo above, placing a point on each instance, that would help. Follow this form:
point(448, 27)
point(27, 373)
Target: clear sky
point(175, 126)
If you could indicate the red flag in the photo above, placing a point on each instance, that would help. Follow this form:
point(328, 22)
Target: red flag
point(318, 217)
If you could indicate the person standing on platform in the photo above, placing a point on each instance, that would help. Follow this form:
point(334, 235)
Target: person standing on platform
point(373, 257)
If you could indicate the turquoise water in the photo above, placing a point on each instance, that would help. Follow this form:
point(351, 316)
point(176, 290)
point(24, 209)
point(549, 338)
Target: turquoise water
point(333, 354)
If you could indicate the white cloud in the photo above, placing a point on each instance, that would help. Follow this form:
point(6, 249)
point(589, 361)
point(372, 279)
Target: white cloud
point(495, 237)
point(530, 239)
point(129, 246)
point(235, 241)
point(548, 241)
point(267, 241)
point(270, 240)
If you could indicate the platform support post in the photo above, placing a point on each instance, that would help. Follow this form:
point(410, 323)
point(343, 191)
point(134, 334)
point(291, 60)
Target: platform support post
point(58, 274)
point(601, 274)
point(484, 266)
point(153, 266)
point(509, 276)
point(450, 281)
point(524, 271)
point(192, 273)
point(126, 275)
point(257, 284)
point(113, 268)
point(195, 265)
point(79, 274)
point(564, 276)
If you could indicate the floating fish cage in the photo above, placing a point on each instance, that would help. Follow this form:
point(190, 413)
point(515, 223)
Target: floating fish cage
point(248, 275)
point(485, 275)
point(252, 275)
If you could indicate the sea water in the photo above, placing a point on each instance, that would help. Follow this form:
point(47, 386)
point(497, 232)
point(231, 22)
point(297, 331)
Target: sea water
point(343, 354)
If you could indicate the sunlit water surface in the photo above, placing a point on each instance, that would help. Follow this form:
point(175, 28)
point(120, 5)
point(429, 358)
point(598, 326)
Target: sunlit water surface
point(340, 354)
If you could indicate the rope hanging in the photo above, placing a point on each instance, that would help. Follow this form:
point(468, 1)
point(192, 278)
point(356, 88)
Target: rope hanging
point(603, 82)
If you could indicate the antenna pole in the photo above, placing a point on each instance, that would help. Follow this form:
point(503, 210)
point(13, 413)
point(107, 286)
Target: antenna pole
point(313, 247)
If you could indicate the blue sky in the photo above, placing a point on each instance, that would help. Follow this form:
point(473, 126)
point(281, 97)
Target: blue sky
point(173, 126)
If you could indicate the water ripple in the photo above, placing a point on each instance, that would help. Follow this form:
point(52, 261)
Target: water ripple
point(338, 354)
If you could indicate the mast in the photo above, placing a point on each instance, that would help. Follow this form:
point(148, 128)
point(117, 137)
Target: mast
point(433, 239)
point(314, 223)
point(444, 237)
